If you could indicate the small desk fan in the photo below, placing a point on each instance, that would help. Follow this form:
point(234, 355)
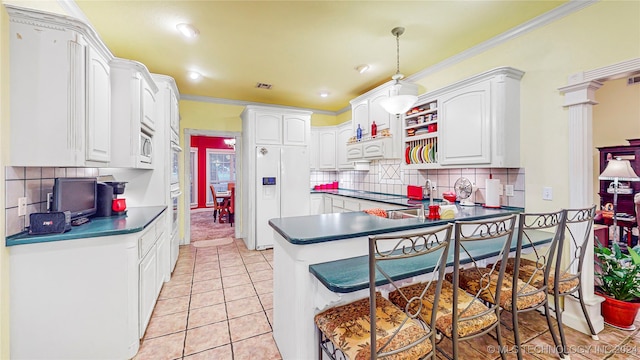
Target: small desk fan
point(464, 188)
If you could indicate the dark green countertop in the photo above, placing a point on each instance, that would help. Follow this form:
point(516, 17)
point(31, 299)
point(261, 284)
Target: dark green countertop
point(373, 196)
point(304, 230)
point(352, 274)
point(136, 219)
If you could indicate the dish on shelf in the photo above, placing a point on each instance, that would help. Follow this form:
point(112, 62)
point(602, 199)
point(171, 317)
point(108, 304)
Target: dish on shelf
point(432, 154)
point(421, 154)
point(406, 154)
point(425, 154)
point(414, 155)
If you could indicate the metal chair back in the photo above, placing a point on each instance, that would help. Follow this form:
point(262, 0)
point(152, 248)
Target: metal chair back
point(384, 253)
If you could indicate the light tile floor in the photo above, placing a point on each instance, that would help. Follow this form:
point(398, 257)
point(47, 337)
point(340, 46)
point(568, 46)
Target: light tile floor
point(219, 306)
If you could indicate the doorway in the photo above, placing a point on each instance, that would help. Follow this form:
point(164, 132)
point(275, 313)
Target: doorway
point(210, 161)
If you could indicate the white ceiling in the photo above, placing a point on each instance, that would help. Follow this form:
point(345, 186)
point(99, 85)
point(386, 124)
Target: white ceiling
point(300, 47)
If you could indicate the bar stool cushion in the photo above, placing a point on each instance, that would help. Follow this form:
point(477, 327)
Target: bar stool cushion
point(347, 327)
point(473, 279)
point(444, 314)
point(567, 284)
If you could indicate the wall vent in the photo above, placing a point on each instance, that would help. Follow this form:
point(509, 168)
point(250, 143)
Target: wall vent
point(633, 80)
point(264, 86)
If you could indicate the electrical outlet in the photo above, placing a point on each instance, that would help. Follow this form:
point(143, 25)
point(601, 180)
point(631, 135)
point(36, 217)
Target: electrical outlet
point(547, 193)
point(508, 190)
point(22, 206)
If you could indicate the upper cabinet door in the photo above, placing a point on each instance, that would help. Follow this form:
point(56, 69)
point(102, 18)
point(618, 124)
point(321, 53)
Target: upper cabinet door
point(465, 132)
point(360, 114)
point(98, 107)
point(296, 130)
point(377, 113)
point(268, 129)
point(148, 106)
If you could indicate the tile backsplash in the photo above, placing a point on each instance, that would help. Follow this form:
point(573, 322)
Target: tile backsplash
point(388, 176)
point(34, 183)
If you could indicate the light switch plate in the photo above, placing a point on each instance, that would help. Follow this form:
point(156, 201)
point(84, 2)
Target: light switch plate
point(22, 206)
point(508, 190)
point(547, 193)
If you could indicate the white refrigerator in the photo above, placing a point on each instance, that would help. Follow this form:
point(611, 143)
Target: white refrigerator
point(282, 187)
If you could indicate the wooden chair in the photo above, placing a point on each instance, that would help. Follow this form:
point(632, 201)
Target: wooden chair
point(373, 327)
point(473, 316)
point(534, 272)
point(232, 206)
point(220, 208)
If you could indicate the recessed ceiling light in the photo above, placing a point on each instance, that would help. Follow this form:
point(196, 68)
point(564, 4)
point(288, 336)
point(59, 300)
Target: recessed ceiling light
point(362, 68)
point(324, 94)
point(188, 30)
point(194, 75)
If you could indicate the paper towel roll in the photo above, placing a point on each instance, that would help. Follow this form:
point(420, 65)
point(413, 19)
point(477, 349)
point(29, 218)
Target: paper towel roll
point(492, 195)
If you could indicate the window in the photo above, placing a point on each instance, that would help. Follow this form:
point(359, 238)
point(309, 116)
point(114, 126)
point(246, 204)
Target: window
point(221, 170)
point(194, 177)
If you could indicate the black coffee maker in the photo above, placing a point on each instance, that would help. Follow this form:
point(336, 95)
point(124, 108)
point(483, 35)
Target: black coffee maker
point(107, 198)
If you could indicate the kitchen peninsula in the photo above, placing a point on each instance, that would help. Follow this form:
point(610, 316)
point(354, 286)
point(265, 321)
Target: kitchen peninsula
point(300, 242)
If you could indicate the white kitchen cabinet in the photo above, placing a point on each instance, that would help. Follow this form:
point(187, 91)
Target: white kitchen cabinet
point(371, 149)
point(98, 106)
point(316, 202)
point(327, 155)
point(343, 134)
point(327, 207)
point(268, 128)
point(148, 272)
point(57, 106)
point(280, 127)
point(82, 298)
point(339, 203)
point(465, 136)
point(476, 120)
point(360, 115)
point(377, 113)
point(295, 130)
point(314, 149)
point(133, 109)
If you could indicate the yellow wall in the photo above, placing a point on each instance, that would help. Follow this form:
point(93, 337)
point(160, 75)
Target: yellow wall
point(599, 35)
point(616, 118)
point(4, 134)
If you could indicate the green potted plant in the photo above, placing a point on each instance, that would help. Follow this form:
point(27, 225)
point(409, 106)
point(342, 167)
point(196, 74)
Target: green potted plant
point(618, 275)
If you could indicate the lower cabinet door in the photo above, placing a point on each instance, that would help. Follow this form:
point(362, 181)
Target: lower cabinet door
point(147, 300)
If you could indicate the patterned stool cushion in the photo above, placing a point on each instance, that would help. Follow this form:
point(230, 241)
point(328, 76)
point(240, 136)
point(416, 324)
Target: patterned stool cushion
point(472, 280)
point(347, 327)
point(527, 268)
point(444, 314)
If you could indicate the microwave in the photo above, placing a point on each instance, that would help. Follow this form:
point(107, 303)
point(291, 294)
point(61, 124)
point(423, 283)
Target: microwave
point(146, 148)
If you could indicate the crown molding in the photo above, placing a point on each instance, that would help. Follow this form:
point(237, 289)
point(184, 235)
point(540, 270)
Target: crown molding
point(213, 100)
point(533, 24)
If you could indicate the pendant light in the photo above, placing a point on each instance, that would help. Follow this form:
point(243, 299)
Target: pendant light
point(398, 104)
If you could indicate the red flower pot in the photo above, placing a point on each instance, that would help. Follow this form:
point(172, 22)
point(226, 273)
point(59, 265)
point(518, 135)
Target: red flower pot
point(620, 314)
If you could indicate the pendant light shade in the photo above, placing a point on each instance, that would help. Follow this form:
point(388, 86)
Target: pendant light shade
point(397, 103)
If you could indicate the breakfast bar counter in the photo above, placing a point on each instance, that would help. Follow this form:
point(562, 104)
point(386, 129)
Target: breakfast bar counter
point(300, 242)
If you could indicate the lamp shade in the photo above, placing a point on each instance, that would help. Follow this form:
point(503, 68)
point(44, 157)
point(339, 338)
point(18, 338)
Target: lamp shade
point(619, 169)
point(398, 104)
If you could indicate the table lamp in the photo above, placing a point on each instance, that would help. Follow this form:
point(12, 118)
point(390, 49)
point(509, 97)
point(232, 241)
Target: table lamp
point(617, 170)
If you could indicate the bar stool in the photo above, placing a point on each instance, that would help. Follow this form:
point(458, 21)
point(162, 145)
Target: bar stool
point(473, 316)
point(373, 327)
point(535, 270)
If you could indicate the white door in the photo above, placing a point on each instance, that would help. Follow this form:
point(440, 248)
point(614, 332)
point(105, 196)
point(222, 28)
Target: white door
point(268, 185)
point(295, 183)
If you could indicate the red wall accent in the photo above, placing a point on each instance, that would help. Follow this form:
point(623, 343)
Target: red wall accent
point(203, 143)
